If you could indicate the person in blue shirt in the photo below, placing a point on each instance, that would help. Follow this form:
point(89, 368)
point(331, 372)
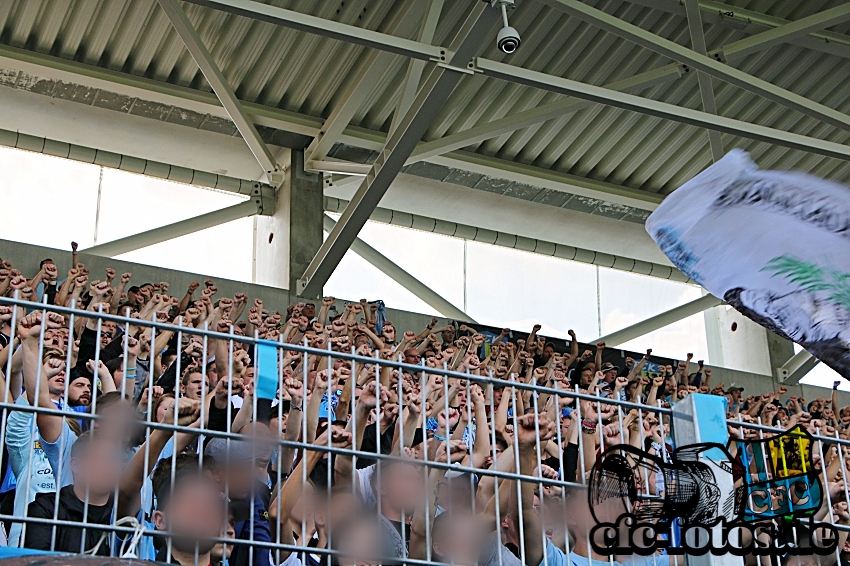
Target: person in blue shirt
point(55, 434)
point(27, 459)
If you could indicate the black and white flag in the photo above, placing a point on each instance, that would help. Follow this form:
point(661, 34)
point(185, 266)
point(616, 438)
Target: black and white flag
point(773, 244)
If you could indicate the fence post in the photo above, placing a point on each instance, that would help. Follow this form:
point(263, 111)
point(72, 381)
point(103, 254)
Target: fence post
point(700, 418)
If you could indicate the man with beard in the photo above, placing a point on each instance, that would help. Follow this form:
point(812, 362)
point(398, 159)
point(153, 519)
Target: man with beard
point(79, 398)
point(27, 458)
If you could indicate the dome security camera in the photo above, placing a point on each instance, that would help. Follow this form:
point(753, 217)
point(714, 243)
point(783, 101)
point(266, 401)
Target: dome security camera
point(508, 40)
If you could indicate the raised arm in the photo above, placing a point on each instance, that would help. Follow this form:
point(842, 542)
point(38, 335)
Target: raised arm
point(36, 376)
point(481, 447)
point(133, 477)
point(418, 540)
point(368, 400)
point(638, 367)
point(189, 297)
point(119, 290)
point(293, 424)
point(527, 438)
point(320, 387)
point(532, 338)
point(293, 488)
point(325, 309)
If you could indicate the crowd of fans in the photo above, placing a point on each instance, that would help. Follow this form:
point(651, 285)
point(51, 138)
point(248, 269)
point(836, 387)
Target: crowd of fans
point(462, 470)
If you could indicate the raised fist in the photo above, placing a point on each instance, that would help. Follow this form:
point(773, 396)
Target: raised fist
point(98, 288)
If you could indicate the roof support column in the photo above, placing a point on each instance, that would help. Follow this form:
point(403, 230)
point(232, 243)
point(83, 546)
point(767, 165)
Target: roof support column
point(285, 242)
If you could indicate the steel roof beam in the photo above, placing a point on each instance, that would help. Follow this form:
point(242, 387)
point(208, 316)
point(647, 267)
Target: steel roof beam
point(131, 164)
point(147, 238)
point(204, 102)
point(715, 68)
point(225, 94)
point(546, 178)
point(338, 167)
point(373, 69)
point(514, 122)
point(327, 28)
point(786, 32)
point(415, 67)
point(634, 84)
point(660, 109)
point(659, 321)
point(750, 17)
point(424, 51)
point(392, 270)
point(796, 368)
point(431, 98)
point(706, 90)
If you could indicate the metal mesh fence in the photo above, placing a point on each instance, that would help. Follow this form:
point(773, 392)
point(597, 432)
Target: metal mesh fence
point(190, 442)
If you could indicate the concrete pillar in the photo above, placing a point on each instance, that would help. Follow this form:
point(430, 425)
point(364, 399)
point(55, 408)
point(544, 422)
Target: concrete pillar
point(734, 341)
point(285, 242)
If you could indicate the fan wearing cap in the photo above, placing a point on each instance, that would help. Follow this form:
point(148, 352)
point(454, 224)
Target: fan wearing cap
point(609, 374)
point(735, 401)
point(235, 473)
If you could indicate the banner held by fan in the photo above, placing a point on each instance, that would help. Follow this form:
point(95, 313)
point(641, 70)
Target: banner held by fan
point(773, 244)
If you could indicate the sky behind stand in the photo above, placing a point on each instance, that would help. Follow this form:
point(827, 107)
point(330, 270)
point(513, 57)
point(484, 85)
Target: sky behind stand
point(495, 286)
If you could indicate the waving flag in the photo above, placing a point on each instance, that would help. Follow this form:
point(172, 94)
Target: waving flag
point(773, 244)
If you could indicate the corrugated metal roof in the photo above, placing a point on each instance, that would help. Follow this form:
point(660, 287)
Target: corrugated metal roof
point(308, 74)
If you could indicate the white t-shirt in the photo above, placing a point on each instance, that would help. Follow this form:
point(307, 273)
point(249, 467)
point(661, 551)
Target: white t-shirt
point(364, 477)
point(292, 560)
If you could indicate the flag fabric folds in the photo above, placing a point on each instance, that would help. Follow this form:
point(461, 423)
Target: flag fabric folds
point(773, 244)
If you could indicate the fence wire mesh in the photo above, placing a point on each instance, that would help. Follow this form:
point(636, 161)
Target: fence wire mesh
point(191, 442)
